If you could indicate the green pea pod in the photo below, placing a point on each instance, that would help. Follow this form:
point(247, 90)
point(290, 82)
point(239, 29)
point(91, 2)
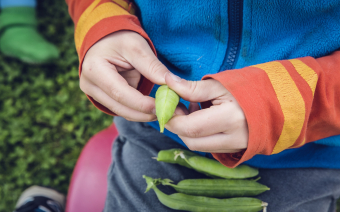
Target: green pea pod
point(218, 187)
point(171, 156)
point(207, 166)
point(166, 103)
point(215, 168)
point(179, 201)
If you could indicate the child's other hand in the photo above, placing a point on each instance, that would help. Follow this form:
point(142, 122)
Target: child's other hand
point(112, 69)
point(221, 128)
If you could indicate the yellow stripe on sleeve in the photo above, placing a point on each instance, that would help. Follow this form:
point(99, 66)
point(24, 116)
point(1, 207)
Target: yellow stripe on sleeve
point(122, 3)
point(306, 73)
point(125, 5)
point(291, 102)
point(81, 21)
point(92, 15)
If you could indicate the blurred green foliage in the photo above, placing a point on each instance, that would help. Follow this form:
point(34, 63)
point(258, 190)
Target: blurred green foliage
point(45, 119)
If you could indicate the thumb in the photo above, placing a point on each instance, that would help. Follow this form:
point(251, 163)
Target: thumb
point(195, 91)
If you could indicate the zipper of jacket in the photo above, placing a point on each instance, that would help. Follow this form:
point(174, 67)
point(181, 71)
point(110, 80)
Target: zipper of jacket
point(235, 15)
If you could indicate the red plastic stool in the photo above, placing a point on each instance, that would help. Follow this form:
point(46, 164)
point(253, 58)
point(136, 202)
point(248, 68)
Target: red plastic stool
point(88, 187)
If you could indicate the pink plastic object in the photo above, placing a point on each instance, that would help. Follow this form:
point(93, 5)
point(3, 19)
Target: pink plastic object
point(88, 187)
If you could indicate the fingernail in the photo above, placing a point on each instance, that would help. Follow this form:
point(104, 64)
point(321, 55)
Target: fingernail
point(175, 78)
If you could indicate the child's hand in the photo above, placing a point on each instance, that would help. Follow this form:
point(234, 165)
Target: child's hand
point(221, 128)
point(112, 69)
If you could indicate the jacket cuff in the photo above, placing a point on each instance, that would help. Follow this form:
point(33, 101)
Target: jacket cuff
point(250, 88)
point(104, 28)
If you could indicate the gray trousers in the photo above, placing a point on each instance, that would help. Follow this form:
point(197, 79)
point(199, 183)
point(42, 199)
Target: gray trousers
point(292, 190)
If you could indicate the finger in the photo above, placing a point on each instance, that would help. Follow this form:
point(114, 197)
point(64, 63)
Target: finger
point(193, 106)
point(120, 63)
point(117, 108)
point(218, 143)
point(195, 91)
point(145, 61)
point(207, 122)
point(120, 69)
point(132, 77)
point(181, 110)
point(116, 87)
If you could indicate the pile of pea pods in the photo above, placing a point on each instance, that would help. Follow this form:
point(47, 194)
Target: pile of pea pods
point(229, 189)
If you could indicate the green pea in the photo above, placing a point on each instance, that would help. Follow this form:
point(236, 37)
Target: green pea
point(207, 166)
point(218, 187)
point(166, 103)
point(179, 201)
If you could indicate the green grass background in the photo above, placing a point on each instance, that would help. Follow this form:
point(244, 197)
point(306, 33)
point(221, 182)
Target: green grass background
point(45, 119)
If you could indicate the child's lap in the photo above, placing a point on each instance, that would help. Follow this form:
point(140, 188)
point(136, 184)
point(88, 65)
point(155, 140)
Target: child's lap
point(291, 189)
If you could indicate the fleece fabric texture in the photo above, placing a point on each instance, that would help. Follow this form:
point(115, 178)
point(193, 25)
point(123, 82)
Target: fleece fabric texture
point(192, 46)
point(18, 3)
point(281, 99)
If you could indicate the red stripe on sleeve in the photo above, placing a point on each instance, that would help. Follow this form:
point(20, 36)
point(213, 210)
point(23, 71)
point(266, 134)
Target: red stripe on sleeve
point(256, 96)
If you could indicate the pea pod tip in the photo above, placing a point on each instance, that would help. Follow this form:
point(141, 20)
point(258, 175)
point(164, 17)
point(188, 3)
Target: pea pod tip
point(161, 125)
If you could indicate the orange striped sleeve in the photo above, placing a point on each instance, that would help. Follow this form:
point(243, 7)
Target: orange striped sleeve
point(95, 19)
point(287, 103)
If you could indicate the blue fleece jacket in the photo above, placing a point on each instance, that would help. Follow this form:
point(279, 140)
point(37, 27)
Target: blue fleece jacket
point(196, 38)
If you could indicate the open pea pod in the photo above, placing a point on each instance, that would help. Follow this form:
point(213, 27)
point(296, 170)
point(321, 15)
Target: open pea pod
point(166, 103)
point(207, 166)
point(179, 201)
point(171, 156)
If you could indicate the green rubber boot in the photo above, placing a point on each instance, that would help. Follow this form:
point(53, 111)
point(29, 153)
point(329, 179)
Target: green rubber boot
point(19, 37)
